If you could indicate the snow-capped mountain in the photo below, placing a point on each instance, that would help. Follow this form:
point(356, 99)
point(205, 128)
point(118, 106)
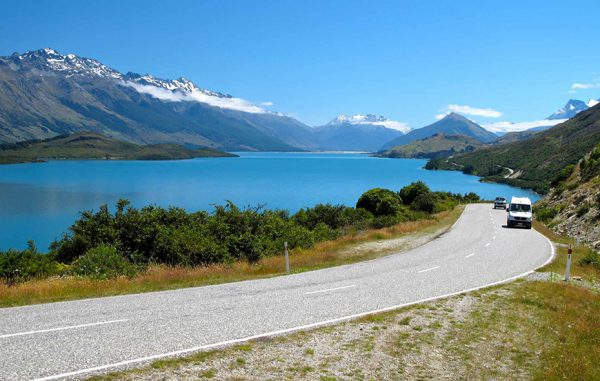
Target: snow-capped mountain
point(181, 84)
point(357, 132)
point(572, 108)
point(370, 119)
point(70, 65)
point(44, 93)
point(592, 102)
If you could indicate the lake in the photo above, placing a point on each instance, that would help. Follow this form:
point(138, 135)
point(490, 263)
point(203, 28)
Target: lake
point(40, 201)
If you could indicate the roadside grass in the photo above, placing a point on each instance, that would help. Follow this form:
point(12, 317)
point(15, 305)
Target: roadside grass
point(157, 278)
point(558, 265)
point(522, 330)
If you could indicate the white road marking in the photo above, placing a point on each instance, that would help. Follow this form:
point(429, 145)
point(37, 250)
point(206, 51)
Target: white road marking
point(429, 269)
point(62, 328)
point(329, 289)
point(290, 330)
point(487, 244)
point(470, 255)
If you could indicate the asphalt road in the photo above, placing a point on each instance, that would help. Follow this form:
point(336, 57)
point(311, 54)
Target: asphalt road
point(77, 339)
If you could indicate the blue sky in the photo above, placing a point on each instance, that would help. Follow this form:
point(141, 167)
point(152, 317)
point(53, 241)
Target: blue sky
point(406, 60)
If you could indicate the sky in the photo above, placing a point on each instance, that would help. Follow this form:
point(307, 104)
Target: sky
point(494, 61)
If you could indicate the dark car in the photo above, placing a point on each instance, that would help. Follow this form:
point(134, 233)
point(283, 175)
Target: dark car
point(500, 202)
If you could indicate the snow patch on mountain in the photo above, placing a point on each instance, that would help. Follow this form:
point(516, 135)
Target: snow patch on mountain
point(173, 90)
point(196, 95)
point(370, 119)
point(592, 102)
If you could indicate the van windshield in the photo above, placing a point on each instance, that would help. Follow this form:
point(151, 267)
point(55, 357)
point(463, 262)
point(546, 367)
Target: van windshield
point(520, 208)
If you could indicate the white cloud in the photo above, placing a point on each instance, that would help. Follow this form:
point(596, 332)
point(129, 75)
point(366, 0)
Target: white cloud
point(464, 109)
point(196, 96)
point(267, 104)
point(520, 126)
point(394, 125)
point(585, 86)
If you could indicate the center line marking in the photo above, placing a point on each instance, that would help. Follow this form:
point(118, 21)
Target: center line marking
point(62, 328)
point(429, 269)
point(329, 289)
point(486, 245)
point(470, 255)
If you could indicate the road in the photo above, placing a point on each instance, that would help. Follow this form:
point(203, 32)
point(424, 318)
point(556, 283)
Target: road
point(79, 338)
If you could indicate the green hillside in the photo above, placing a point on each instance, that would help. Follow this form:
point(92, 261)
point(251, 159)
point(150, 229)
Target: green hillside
point(533, 163)
point(436, 146)
point(89, 145)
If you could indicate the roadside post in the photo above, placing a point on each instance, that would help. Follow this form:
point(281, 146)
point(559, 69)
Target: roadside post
point(568, 269)
point(287, 258)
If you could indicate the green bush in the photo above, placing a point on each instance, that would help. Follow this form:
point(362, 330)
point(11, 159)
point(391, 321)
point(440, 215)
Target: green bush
point(21, 265)
point(546, 214)
point(590, 258)
point(563, 175)
point(380, 202)
point(410, 192)
point(102, 262)
point(424, 202)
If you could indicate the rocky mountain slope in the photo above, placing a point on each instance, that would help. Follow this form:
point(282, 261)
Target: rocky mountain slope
point(573, 205)
point(44, 93)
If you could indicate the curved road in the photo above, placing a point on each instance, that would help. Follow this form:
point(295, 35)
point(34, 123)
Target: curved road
point(76, 339)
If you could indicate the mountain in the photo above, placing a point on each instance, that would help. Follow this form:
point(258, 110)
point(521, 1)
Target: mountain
point(436, 146)
point(44, 93)
point(451, 124)
point(572, 108)
point(357, 133)
point(90, 145)
point(534, 163)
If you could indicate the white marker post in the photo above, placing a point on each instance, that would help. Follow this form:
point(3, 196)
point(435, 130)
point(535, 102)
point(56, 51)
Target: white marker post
point(287, 258)
point(568, 269)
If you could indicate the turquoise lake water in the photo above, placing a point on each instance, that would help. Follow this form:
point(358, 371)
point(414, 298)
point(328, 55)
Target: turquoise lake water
point(40, 201)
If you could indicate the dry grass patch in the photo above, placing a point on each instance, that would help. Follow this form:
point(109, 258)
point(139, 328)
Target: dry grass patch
point(156, 278)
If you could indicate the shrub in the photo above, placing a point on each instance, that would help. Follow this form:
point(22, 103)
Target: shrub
point(380, 202)
point(424, 202)
point(21, 265)
point(583, 209)
point(102, 262)
point(409, 193)
point(545, 214)
point(334, 216)
point(563, 175)
point(590, 258)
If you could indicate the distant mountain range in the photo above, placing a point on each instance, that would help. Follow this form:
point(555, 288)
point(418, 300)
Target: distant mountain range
point(451, 125)
point(44, 93)
point(535, 162)
point(358, 133)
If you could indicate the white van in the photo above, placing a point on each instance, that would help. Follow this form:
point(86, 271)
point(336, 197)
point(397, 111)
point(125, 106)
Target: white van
point(519, 212)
